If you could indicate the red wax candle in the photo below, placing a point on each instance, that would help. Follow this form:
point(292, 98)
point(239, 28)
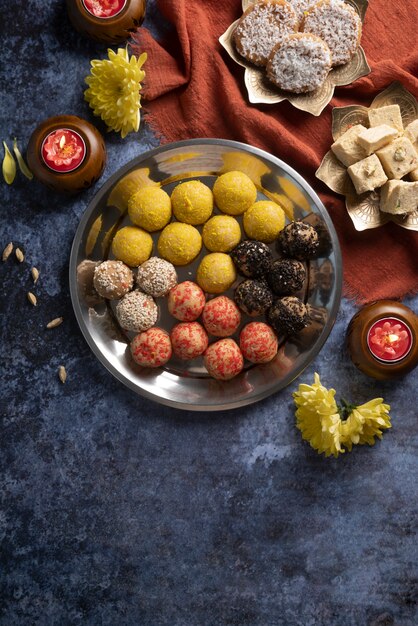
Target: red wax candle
point(63, 150)
point(109, 21)
point(389, 339)
point(382, 339)
point(66, 153)
point(104, 9)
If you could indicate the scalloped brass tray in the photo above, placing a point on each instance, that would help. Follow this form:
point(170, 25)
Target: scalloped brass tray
point(364, 210)
point(261, 91)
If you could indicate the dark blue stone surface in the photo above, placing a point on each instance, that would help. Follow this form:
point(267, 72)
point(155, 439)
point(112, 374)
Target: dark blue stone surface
point(115, 510)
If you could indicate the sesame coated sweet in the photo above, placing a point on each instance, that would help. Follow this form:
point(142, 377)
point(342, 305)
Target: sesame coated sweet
point(298, 241)
point(252, 258)
point(288, 315)
point(112, 279)
point(253, 297)
point(286, 276)
point(221, 317)
point(189, 340)
point(186, 301)
point(136, 311)
point(223, 359)
point(151, 348)
point(258, 342)
point(156, 277)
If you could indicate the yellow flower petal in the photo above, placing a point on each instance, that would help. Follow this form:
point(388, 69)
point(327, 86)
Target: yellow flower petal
point(113, 92)
point(320, 423)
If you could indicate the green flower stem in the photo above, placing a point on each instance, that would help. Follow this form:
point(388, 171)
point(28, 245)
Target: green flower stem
point(345, 409)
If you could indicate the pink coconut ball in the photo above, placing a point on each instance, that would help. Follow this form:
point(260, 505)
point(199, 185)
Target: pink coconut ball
point(258, 342)
point(189, 340)
point(186, 301)
point(223, 359)
point(221, 316)
point(152, 348)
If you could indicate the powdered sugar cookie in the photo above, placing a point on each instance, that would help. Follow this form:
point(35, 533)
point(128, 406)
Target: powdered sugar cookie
point(338, 24)
point(300, 63)
point(261, 27)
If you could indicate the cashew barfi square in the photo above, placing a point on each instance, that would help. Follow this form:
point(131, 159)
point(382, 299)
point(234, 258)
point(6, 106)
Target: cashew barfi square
point(398, 158)
point(347, 149)
point(390, 115)
point(367, 174)
point(411, 132)
point(399, 197)
point(414, 174)
point(373, 139)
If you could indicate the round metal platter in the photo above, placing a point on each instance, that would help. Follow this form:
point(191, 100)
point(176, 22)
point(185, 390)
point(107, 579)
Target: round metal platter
point(187, 385)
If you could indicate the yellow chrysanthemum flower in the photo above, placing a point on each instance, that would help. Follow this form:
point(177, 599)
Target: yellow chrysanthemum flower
point(114, 86)
point(319, 419)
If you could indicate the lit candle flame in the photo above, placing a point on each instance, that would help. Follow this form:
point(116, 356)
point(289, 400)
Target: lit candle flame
point(62, 141)
point(392, 338)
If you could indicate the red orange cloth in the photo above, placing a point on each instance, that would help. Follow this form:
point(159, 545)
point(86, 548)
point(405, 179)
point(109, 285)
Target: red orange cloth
point(193, 89)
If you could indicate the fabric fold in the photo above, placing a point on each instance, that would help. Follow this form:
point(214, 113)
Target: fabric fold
point(193, 89)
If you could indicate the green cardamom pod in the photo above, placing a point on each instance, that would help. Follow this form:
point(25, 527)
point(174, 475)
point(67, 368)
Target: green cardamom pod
point(21, 162)
point(9, 165)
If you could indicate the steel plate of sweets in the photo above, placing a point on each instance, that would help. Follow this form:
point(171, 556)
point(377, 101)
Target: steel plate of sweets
point(110, 21)
point(382, 340)
point(187, 383)
point(66, 153)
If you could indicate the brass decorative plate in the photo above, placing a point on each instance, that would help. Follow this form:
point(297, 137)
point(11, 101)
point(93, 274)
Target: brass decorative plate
point(261, 91)
point(364, 210)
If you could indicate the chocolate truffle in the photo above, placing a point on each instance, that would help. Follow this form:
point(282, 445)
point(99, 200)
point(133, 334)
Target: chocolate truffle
point(298, 241)
point(288, 315)
point(112, 279)
point(186, 301)
point(253, 297)
point(152, 348)
point(252, 258)
point(223, 359)
point(136, 311)
point(258, 342)
point(156, 277)
point(221, 317)
point(189, 340)
point(285, 276)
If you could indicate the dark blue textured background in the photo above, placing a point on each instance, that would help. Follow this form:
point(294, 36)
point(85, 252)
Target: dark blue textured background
point(115, 510)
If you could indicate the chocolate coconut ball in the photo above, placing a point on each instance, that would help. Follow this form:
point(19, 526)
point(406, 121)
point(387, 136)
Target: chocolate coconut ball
point(136, 311)
point(112, 279)
point(252, 258)
point(253, 297)
point(156, 277)
point(298, 241)
point(288, 315)
point(286, 276)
